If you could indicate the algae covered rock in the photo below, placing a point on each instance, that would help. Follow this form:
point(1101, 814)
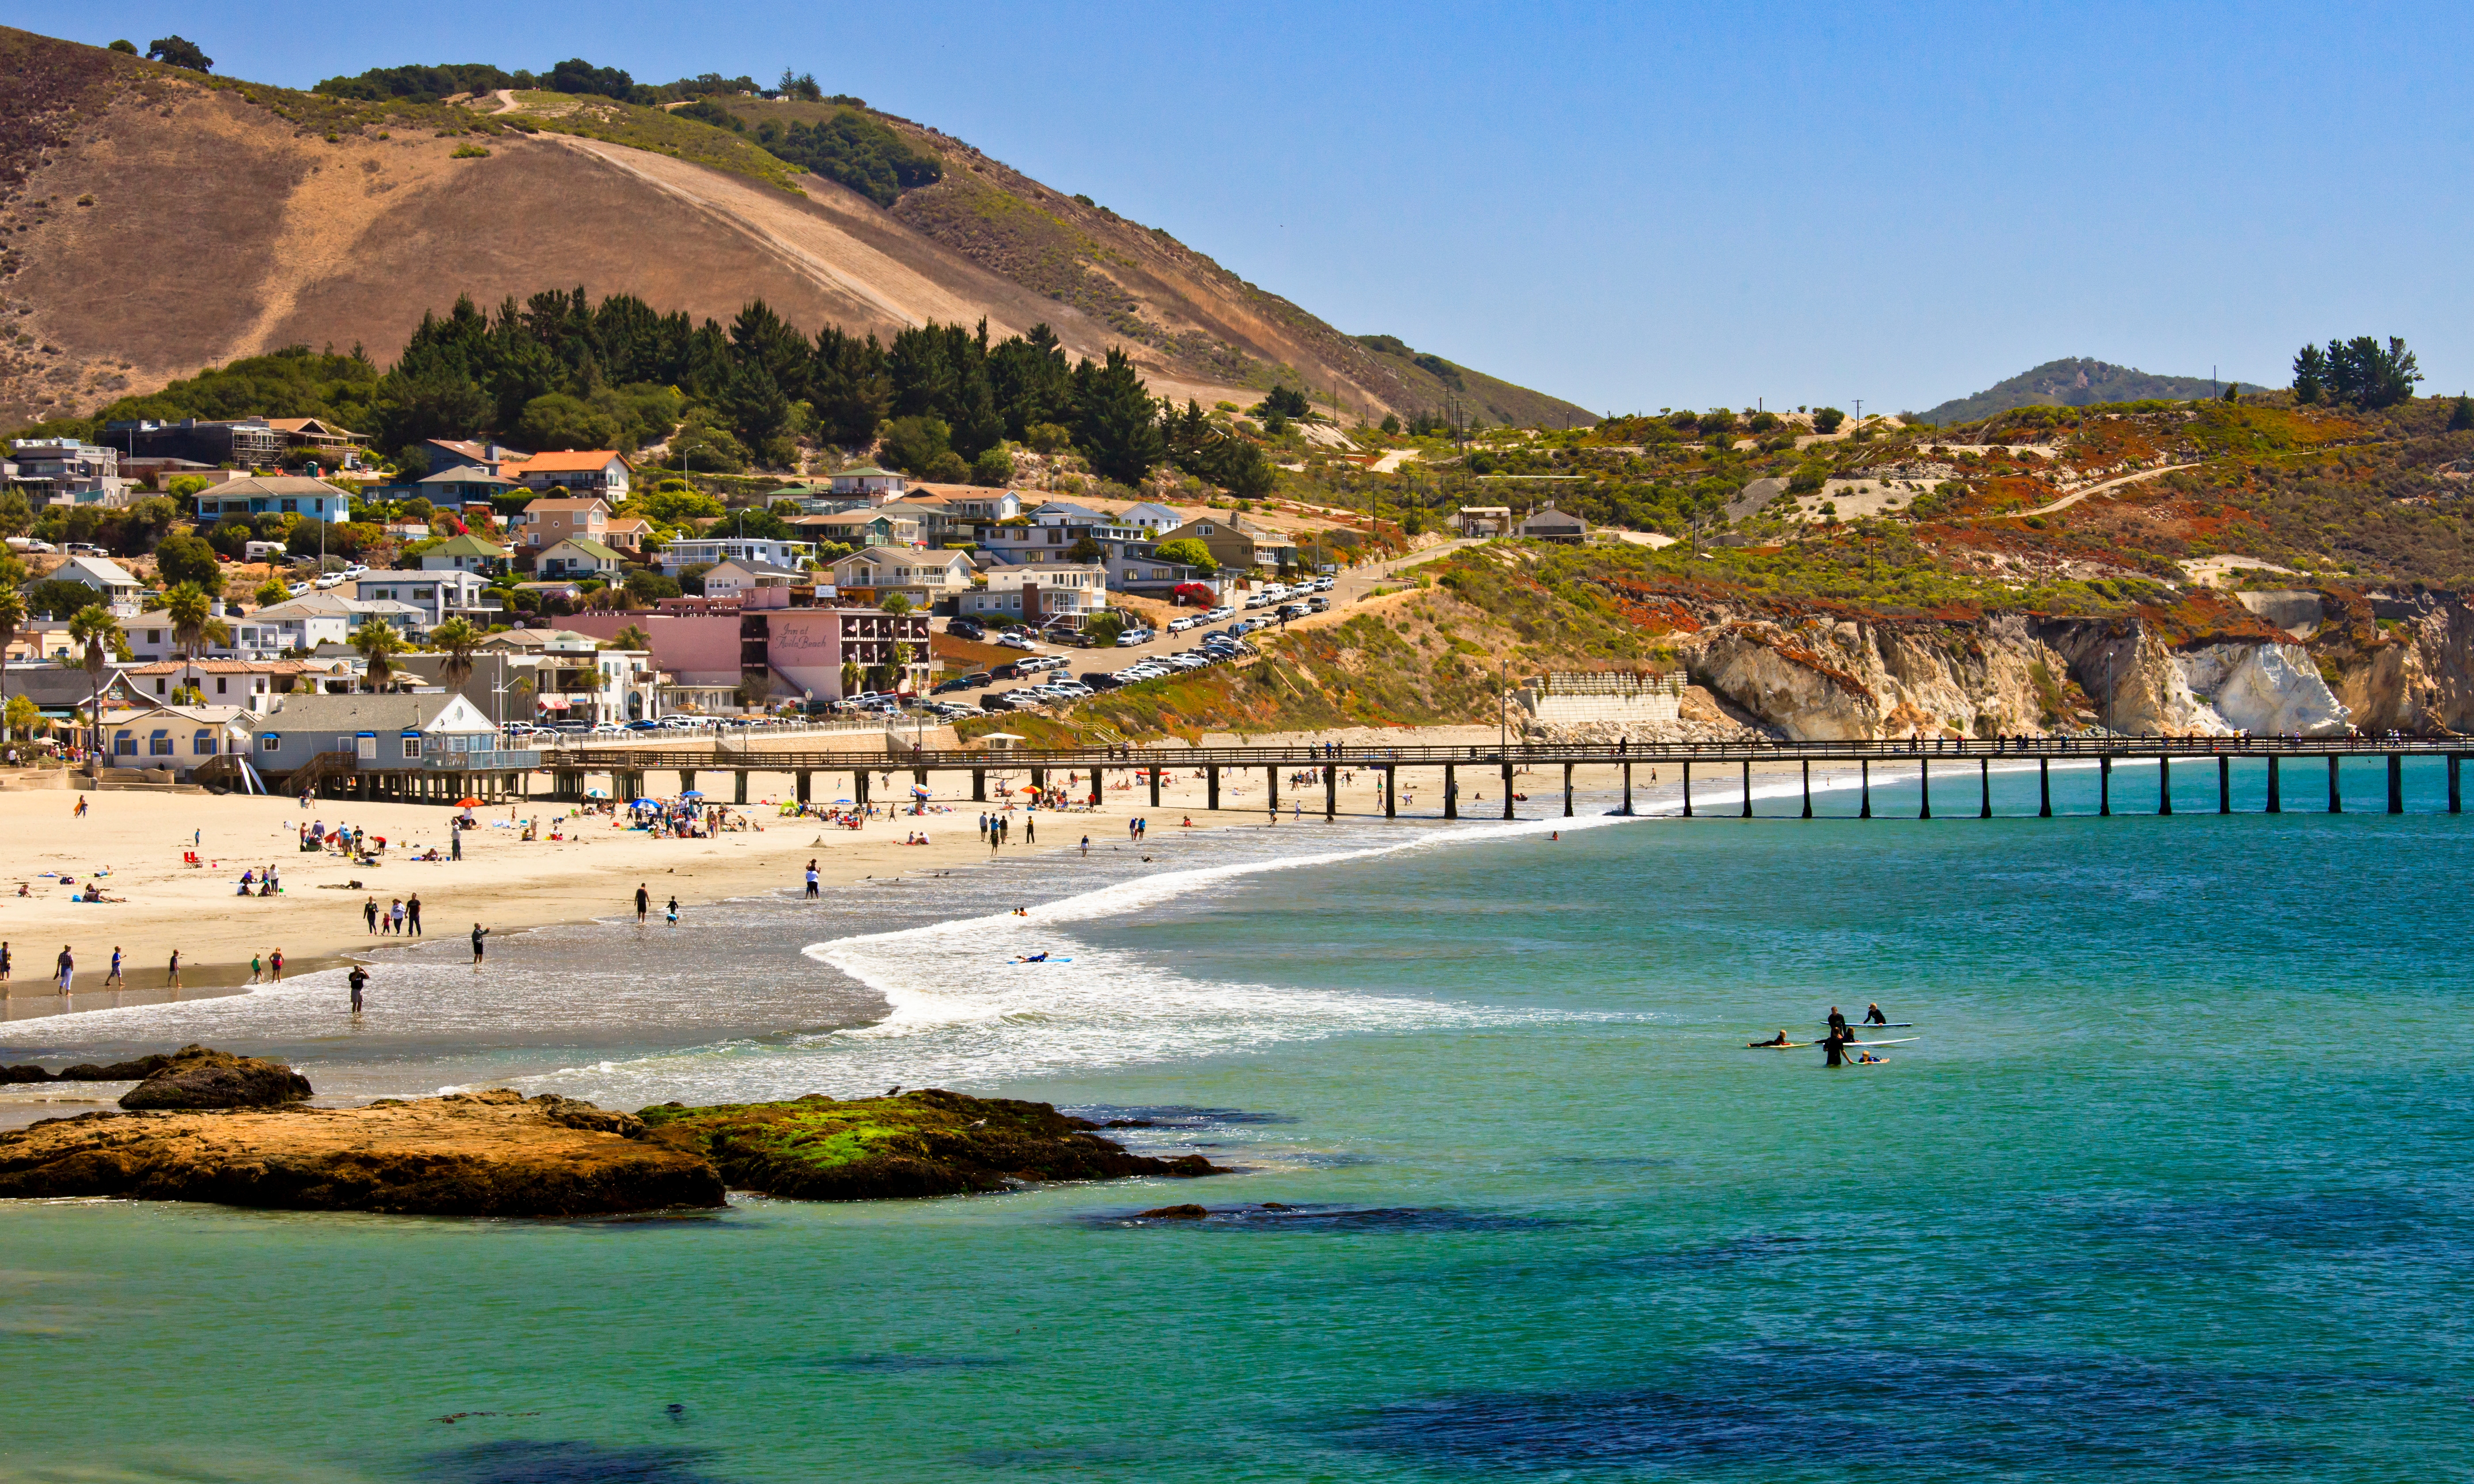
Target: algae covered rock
point(924, 1143)
point(196, 1077)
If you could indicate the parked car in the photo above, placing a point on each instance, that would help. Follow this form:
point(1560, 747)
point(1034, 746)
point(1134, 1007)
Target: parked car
point(970, 682)
point(966, 629)
point(1318, 605)
point(1132, 637)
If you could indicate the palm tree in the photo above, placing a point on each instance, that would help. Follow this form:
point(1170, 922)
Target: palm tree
point(194, 624)
point(456, 638)
point(376, 640)
point(94, 627)
point(631, 637)
point(12, 613)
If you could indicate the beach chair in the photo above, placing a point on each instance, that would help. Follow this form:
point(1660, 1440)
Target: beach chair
point(189, 858)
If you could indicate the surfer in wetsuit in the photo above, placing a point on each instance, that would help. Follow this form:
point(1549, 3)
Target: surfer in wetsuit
point(1779, 1041)
point(1873, 1016)
point(1837, 1026)
point(1834, 1050)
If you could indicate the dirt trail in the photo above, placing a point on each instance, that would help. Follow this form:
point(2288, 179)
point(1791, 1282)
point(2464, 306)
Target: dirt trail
point(2068, 500)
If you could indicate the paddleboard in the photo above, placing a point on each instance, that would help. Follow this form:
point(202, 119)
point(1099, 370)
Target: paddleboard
point(1026, 963)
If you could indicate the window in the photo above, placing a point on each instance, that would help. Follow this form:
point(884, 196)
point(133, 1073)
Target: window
point(270, 742)
point(222, 684)
point(291, 506)
point(411, 746)
point(159, 684)
point(159, 745)
point(204, 743)
point(366, 746)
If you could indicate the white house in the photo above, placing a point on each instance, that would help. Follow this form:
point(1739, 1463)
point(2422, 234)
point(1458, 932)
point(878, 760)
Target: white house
point(1039, 593)
point(105, 576)
point(876, 485)
point(924, 577)
point(712, 550)
point(439, 596)
point(178, 738)
point(745, 580)
point(580, 556)
point(598, 471)
point(1151, 517)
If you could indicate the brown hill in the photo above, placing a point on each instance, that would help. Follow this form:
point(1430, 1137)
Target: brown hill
point(153, 221)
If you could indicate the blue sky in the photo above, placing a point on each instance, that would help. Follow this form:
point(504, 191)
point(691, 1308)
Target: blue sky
point(1643, 206)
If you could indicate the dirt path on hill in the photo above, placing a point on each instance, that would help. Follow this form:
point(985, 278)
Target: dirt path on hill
point(2068, 500)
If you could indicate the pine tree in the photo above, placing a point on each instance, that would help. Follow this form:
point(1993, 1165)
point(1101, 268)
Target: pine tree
point(2460, 417)
point(1116, 424)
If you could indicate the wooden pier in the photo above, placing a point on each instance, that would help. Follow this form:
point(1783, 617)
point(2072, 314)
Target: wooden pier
point(630, 768)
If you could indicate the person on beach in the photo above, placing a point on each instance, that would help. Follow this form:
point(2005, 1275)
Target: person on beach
point(358, 978)
point(1086, 847)
point(455, 842)
point(66, 968)
point(256, 966)
point(79, 812)
point(478, 933)
point(172, 972)
point(370, 916)
point(1030, 829)
point(1873, 1016)
point(644, 904)
point(674, 912)
point(112, 980)
point(812, 879)
point(4, 963)
point(412, 914)
point(274, 967)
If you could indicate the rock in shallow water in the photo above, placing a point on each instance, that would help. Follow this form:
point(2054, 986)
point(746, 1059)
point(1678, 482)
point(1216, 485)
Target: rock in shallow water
point(470, 1154)
point(923, 1143)
point(195, 1077)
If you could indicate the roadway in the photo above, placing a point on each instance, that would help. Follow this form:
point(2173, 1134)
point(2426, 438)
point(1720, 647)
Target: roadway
point(1349, 586)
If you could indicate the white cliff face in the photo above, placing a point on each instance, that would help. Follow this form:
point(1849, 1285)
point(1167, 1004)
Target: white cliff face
point(2263, 690)
point(1821, 680)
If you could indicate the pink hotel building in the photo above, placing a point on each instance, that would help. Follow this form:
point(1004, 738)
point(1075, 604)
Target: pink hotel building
point(800, 651)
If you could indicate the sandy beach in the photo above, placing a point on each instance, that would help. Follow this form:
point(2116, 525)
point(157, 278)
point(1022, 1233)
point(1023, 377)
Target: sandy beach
point(507, 883)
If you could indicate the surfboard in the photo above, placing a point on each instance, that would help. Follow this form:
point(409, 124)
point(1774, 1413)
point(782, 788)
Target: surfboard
point(1899, 1042)
point(1024, 963)
point(1883, 1025)
point(1771, 1046)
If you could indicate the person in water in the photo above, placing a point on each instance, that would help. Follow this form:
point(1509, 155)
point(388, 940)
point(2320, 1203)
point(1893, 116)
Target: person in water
point(1779, 1040)
point(1873, 1017)
point(1868, 1059)
point(1838, 1023)
point(1833, 1052)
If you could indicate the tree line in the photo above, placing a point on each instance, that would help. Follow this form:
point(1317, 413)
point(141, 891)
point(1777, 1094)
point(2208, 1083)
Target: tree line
point(2360, 371)
point(557, 370)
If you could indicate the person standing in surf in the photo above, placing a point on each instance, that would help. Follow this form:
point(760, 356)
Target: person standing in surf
point(644, 904)
point(478, 933)
point(1837, 1026)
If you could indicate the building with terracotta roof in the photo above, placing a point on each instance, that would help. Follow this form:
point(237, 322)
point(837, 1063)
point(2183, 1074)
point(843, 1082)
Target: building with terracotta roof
point(600, 471)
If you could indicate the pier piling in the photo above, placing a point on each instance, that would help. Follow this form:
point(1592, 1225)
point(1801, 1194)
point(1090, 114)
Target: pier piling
point(1211, 787)
point(1865, 789)
point(2104, 785)
point(1688, 788)
point(1451, 794)
point(1807, 788)
point(2335, 799)
point(1391, 795)
point(1507, 788)
point(2276, 789)
point(1748, 788)
point(2164, 785)
point(2225, 785)
point(1924, 789)
point(1568, 790)
point(2396, 784)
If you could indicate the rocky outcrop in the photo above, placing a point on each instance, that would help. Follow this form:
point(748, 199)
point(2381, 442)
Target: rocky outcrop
point(471, 1154)
point(1821, 680)
point(142, 1068)
point(195, 1077)
point(2263, 690)
point(924, 1143)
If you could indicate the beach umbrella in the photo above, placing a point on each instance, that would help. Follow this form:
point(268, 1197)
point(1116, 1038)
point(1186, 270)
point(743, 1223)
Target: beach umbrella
point(692, 793)
point(917, 792)
point(468, 802)
point(595, 793)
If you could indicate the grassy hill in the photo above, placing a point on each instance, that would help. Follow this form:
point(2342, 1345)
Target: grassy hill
point(2073, 381)
point(303, 218)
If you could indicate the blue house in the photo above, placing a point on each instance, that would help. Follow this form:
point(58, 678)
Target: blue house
point(283, 495)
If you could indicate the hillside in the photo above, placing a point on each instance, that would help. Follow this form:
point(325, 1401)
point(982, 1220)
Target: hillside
point(157, 221)
point(2073, 381)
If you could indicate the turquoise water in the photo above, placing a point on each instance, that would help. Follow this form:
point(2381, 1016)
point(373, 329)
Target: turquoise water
point(2167, 1187)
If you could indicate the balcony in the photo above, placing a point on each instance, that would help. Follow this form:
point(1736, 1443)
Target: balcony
point(504, 760)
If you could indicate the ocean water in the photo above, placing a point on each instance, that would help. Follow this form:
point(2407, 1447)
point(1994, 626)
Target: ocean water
point(2167, 1186)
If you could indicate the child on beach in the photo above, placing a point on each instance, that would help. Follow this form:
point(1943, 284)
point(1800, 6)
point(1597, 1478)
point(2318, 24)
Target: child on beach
point(256, 967)
point(112, 980)
point(674, 912)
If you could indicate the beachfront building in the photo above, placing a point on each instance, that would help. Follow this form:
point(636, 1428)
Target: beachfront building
point(175, 737)
point(241, 682)
point(365, 731)
point(61, 693)
point(439, 596)
point(553, 676)
point(926, 577)
point(712, 550)
point(1037, 595)
point(119, 588)
point(778, 653)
